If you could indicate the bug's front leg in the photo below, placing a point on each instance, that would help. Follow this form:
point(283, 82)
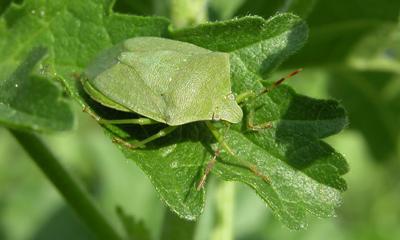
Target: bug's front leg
point(220, 139)
point(207, 171)
point(100, 120)
point(256, 127)
point(162, 133)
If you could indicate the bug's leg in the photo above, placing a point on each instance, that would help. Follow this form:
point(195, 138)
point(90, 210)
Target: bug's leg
point(245, 96)
point(252, 167)
point(250, 95)
point(256, 127)
point(161, 133)
point(139, 121)
point(210, 165)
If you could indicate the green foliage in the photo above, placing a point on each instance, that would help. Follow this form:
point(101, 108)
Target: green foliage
point(335, 30)
point(169, 171)
point(335, 26)
point(379, 92)
point(136, 7)
point(134, 229)
point(305, 172)
point(297, 119)
point(176, 228)
point(357, 43)
point(32, 102)
point(3, 5)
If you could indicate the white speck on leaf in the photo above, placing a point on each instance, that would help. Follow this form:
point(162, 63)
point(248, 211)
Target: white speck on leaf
point(174, 164)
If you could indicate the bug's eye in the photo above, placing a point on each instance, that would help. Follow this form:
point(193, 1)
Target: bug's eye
point(216, 116)
point(230, 96)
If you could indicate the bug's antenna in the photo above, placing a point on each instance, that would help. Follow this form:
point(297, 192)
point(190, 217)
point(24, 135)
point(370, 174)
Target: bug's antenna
point(280, 81)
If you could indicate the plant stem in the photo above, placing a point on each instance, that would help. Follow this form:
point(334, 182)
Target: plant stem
point(223, 226)
point(69, 188)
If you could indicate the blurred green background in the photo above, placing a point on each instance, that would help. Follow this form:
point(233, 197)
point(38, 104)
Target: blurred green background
point(353, 55)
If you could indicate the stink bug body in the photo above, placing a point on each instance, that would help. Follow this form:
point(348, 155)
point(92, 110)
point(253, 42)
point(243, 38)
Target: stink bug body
point(167, 81)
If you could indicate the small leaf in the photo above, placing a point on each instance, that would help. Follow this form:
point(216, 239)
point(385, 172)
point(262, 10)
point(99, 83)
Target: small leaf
point(74, 32)
point(3, 5)
point(175, 228)
point(264, 8)
point(267, 8)
point(291, 193)
point(380, 92)
point(297, 121)
point(32, 102)
point(329, 23)
point(134, 229)
point(304, 172)
point(136, 7)
point(335, 30)
point(174, 165)
point(223, 9)
point(258, 46)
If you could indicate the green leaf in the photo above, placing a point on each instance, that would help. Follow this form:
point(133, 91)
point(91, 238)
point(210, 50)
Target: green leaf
point(267, 8)
point(32, 102)
point(178, 161)
point(298, 122)
point(73, 31)
point(173, 165)
point(371, 79)
point(257, 46)
point(378, 51)
point(71, 44)
point(76, 31)
point(305, 173)
point(175, 228)
point(223, 9)
point(301, 8)
point(72, 51)
point(136, 7)
point(134, 229)
point(335, 30)
point(294, 191)
point(3, 5)
point(335, 26)
point(264, 8)
point(380, 92)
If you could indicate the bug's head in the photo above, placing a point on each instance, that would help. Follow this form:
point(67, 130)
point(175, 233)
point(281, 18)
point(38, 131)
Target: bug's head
point(229, 110)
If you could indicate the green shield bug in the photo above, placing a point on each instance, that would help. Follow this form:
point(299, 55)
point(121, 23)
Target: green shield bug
point(166, 81)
